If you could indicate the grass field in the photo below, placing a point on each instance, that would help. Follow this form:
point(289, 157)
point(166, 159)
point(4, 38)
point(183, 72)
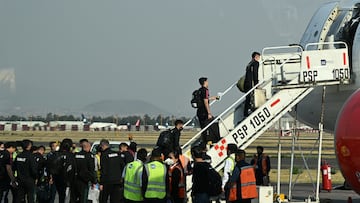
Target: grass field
point(269, 141)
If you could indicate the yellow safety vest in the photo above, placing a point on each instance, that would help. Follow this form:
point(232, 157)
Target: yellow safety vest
point(98, 172)
point(132, 181)
point(232, 159)
point(156, 187)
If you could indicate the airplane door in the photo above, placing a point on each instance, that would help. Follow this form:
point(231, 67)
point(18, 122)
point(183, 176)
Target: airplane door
point(320, 24)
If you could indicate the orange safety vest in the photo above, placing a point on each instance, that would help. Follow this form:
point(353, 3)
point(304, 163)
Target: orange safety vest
point(247, 184)
point(181, 192)
point(263, 163)
point(184, 162)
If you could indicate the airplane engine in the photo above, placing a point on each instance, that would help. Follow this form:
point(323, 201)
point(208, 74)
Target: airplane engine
point(347, 141)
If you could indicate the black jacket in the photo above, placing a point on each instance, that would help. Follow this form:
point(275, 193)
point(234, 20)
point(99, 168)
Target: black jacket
point(127, 157)
point(85, 167)
point(40, 164)
point(4, 161)
point(25, 166)
point(252, 75)
point(176, 139)
point(111, 165)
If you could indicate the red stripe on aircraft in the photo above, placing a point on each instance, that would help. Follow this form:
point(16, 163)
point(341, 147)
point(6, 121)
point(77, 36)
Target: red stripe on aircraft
point(308, 62)
point(275, 102)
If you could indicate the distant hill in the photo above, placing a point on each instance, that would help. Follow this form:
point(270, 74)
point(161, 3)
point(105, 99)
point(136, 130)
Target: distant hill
point(124, 107)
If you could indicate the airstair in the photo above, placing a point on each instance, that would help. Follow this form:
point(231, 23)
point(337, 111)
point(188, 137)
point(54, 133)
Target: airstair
point(287, 75)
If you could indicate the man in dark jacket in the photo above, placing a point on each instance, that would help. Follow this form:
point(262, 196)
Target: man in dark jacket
point(125, 154)
point(176, 136)
point(7, 178)
point(64, 173)
point(111, 167)
point(251, 79)
point(200, 187)
point(25, 166)
point(203, 112)
point(85, 173)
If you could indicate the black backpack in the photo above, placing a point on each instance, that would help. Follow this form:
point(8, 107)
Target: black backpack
point(215, 182)
point(63, 164)
point(196, 101)
point(165, 139)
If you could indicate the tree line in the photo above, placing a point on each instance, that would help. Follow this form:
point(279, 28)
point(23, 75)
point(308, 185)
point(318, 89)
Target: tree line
point(145, 119)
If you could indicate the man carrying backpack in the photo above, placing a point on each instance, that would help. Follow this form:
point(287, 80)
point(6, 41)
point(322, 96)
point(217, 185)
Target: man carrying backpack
point(65, 168)
point(168, 140)
point(251, 79)
point(203, 109)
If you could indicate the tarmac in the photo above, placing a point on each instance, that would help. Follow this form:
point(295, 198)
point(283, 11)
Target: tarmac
point(302, 192)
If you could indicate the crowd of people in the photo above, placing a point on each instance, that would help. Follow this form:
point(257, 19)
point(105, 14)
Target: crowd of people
point(124, 175)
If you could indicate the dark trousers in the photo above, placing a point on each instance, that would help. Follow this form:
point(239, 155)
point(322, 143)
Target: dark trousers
point(52, 193)
point(248, 105)
point(4, 191)
point(202, 117)
point(79, 192)
point(178, 200)
point(155, 201)
point(26, 189)
point(201, 198)
point(242, 201)
point(14, 192)
point(111, 190)
point(61, 188)
point(130, 201)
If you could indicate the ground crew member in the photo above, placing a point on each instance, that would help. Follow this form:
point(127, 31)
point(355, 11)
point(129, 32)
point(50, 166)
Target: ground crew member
point(132, 176)
point(111, 167)
point(97, 162)
point(155, 179)
point(228, 167)
point(176, 179)
point(85, 173)
point(25, 166)
point(262, 167)
point(242, 181)
point(7, 178)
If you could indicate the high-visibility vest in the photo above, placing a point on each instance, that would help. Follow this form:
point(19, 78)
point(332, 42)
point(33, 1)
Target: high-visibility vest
point(181, 192)
point(156, 187)
point(184, 162)
point(98, 172)
point(264, 166)
point(247, 185)
point(231, 158)
point(132, 181)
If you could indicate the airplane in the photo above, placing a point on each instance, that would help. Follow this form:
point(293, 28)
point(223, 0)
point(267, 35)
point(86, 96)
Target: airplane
point(338, 21)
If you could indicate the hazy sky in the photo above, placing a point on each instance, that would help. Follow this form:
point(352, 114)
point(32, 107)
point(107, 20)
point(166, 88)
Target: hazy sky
point(75, 52)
